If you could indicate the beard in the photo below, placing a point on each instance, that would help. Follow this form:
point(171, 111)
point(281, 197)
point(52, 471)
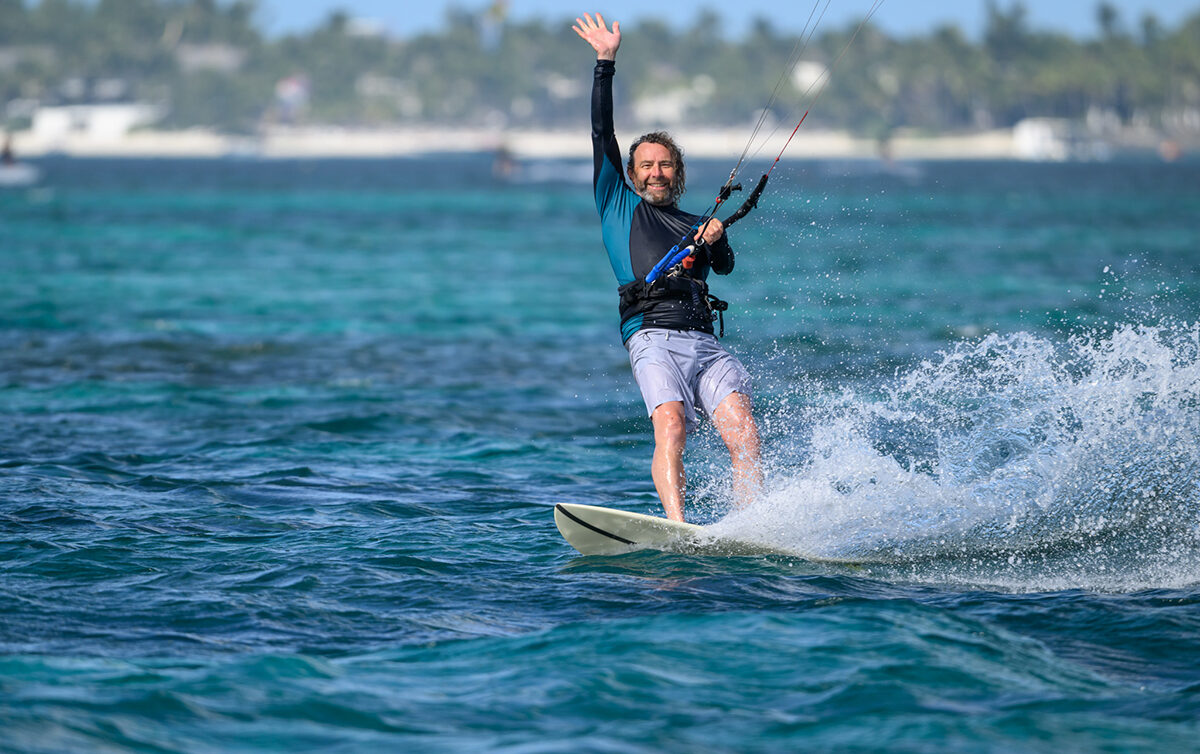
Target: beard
point(661, 195)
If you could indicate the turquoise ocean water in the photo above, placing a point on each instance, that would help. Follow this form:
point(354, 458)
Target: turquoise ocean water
point(279, 444)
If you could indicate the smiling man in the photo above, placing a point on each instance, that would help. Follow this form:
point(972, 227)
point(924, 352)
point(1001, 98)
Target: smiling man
point(667, 326)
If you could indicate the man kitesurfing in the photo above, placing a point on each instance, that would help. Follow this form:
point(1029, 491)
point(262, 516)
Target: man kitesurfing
point(666, 311)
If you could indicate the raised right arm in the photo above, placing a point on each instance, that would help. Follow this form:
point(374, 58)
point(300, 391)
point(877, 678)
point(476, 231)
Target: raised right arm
point(605, 151)
point(608, 176)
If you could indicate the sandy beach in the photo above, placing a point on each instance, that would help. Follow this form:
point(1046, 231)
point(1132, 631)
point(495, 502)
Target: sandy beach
point(333, 142)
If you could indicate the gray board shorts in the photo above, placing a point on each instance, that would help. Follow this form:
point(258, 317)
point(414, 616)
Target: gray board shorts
point(682, 365)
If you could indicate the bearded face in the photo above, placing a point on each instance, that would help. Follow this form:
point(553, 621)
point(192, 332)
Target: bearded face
point(653, 174)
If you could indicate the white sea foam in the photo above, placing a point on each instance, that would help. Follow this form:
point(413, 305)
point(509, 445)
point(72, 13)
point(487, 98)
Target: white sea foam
point(1011, 461)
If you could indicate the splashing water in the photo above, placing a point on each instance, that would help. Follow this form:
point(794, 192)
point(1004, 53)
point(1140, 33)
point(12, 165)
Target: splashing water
point(1010, 461)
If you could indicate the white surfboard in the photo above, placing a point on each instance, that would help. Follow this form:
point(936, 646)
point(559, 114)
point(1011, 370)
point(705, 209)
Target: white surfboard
point(593, 530)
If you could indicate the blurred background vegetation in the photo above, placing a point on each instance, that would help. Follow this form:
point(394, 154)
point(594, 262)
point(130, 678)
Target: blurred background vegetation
point(208, 64)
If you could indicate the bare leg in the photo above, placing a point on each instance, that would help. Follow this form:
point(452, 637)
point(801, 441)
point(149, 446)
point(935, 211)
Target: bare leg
point(735, 422)
point(670, 438)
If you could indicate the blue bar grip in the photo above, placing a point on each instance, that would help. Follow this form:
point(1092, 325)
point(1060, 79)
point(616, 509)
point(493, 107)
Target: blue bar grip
point(673, 257)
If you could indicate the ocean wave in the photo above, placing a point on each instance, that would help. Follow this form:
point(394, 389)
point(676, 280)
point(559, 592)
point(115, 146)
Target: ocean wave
point(1010, 460)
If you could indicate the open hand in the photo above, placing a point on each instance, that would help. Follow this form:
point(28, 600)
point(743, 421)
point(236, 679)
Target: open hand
point(596, 33)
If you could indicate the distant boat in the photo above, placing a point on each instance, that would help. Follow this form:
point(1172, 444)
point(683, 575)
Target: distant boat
point(18, 175)
point(510, 170)
point(15, 174)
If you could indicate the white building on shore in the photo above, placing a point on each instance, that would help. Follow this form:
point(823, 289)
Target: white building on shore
point(60, 126)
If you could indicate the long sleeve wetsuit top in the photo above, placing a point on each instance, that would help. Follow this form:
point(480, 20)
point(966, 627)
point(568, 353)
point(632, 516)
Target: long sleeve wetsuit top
point(637, 234)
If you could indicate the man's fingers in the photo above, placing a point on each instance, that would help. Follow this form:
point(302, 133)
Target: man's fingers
point(586, 23)
point(595, 32)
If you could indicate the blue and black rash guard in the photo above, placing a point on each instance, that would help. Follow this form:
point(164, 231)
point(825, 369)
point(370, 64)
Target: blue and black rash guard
point(637, 234)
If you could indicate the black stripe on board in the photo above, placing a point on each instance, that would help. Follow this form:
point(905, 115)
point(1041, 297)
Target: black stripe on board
point(586, 525)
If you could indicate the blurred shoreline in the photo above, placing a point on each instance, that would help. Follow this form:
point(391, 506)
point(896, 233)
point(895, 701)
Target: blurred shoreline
point(1038, 141)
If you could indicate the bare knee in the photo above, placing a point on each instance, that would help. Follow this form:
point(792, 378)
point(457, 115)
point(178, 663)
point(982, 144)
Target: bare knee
point(670, 425)
point(735, 422)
